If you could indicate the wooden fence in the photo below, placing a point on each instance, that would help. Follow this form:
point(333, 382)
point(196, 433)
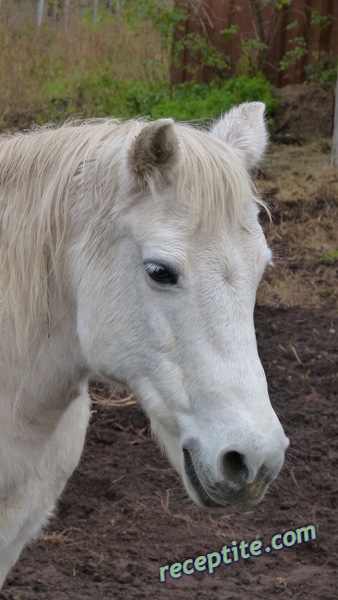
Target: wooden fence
point(258, 21)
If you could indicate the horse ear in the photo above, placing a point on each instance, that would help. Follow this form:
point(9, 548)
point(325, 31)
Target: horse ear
point(243, 128)
point(155, 151)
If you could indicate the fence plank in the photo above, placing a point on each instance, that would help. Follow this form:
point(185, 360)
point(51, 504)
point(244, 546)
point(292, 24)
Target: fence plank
point(209, 17)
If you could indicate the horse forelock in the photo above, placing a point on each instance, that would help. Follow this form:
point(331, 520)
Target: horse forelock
point(81, 167)
point(212, 178)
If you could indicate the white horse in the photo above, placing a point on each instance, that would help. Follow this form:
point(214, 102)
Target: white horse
point(132, 251)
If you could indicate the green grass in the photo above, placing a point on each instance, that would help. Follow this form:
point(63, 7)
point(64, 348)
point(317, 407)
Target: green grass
point(330, 258)
point(102, 95)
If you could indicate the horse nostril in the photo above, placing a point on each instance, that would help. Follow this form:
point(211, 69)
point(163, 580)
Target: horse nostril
point(234, 467)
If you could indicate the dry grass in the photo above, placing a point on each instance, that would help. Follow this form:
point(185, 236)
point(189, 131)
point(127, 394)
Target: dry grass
point(57, 537)
point(34, 66)
point(102, 394)
point(114, 401)
point(302, 189)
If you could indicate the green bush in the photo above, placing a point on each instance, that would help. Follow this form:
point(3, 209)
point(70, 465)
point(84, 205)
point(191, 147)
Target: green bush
point(101, 95)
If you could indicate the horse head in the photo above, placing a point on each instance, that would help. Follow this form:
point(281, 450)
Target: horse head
point(165, 305)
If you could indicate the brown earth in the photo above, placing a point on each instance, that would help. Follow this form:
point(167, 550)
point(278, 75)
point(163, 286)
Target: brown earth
point(124, 513)
point(304, 111)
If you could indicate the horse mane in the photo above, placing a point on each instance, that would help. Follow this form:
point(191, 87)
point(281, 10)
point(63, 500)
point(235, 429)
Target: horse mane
point(40, 173)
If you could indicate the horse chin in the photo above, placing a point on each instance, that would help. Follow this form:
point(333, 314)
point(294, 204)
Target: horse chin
point(243, 499)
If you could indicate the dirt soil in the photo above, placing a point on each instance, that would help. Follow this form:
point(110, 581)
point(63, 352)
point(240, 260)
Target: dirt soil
point(124, 513)
point(304, 111)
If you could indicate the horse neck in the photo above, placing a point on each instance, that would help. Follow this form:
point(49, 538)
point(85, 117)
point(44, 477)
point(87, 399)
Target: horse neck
point(55, 370)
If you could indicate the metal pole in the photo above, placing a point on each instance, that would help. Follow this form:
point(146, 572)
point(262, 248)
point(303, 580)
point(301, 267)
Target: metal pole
point(334, 156)
point(40, 12)
point(65, 14)
point(94, 12)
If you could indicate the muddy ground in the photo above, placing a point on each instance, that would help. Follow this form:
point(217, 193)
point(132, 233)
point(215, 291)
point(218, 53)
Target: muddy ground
point(124, 513)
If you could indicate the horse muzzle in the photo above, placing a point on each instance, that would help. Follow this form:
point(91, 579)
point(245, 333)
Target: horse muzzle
point(240, 483)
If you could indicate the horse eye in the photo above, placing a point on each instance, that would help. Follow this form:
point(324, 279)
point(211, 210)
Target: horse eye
point(161, 274)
